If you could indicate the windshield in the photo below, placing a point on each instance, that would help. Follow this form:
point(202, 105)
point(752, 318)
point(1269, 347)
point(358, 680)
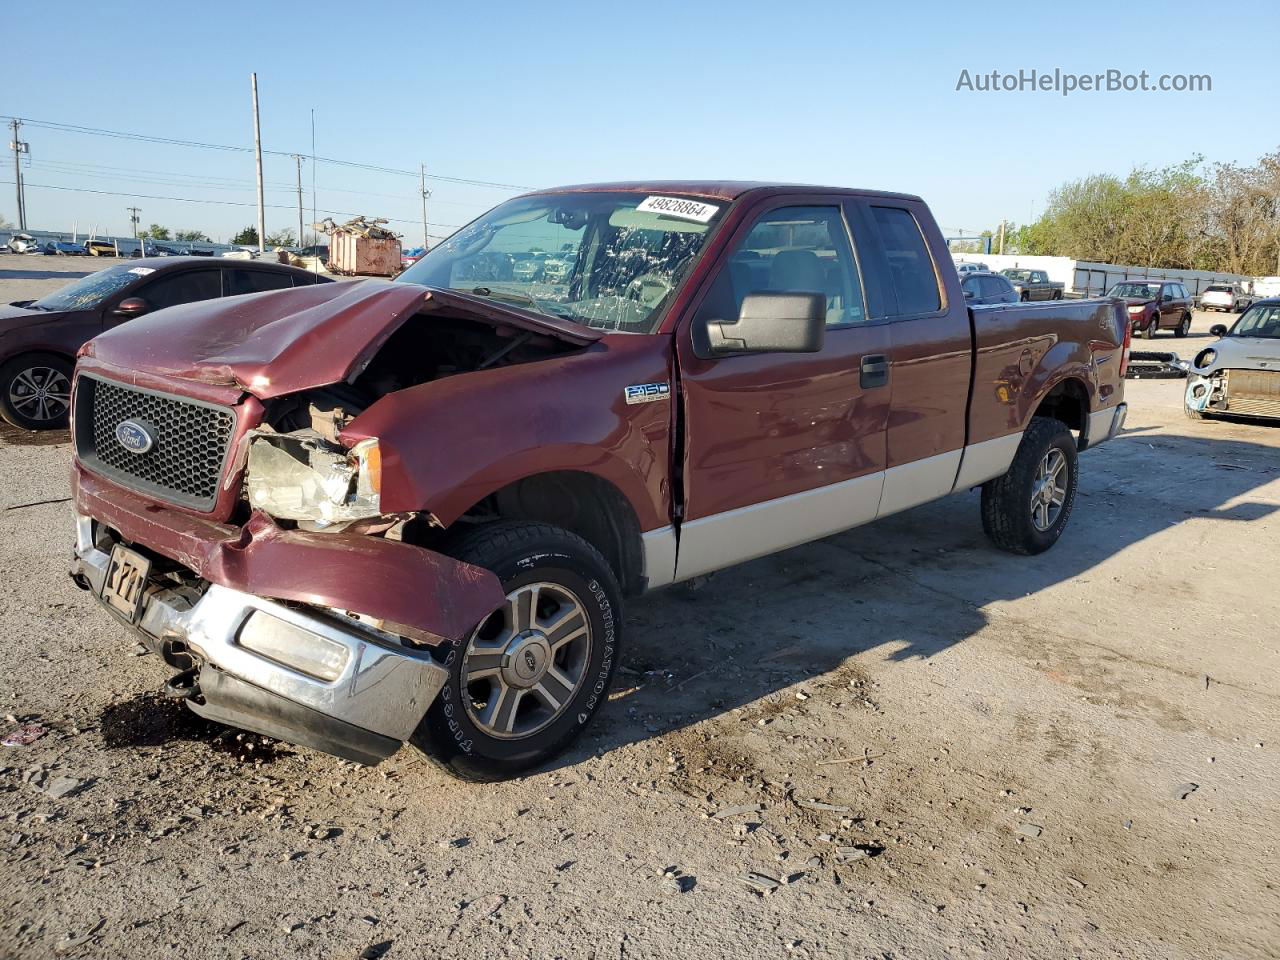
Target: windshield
point(1144, 291)
point(87, 292)
point(607, 260)
point(1023, 275)
point(1261, 321)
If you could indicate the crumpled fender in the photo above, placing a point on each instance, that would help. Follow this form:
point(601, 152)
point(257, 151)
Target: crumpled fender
point(417, 592)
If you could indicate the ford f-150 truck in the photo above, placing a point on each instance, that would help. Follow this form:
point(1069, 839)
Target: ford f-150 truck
point(359, 514)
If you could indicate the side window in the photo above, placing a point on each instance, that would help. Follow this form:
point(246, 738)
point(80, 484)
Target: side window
point(255, 281)
point(910, 266)
point(995, 287)
point(185, 287)
point(972, 285)
point(792, 250)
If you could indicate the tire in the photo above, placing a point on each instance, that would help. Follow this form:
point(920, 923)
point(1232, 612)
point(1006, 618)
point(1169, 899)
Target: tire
point(1182, 329)
point(1007, 501)
point(1057, 295)
point(1149, 331)
point(1192, 414)
point(570, 572)
point(33, 385)
point(1026, 297)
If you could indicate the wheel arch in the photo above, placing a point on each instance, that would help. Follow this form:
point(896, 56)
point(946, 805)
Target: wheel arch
point(581, 502)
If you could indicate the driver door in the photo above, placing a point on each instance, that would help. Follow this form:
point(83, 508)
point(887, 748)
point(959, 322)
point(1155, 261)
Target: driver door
point(782, 448)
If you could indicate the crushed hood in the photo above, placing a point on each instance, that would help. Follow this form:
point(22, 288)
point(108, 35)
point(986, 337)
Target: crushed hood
point(269, 344)
point(1244, 353)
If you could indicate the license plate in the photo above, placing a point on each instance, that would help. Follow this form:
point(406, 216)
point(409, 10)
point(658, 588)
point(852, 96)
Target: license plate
point(126, 579)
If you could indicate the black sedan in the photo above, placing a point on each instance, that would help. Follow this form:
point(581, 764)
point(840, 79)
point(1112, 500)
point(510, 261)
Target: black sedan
point(39, 338)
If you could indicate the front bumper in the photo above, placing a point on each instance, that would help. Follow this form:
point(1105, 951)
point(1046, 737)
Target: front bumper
point(364, 713)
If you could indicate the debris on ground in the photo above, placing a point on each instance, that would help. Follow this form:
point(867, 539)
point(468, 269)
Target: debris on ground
point(859, 851)
point(1030, 829)
point(25, 735)
point(762, 883)
point(820, 805)
point(1184, 790)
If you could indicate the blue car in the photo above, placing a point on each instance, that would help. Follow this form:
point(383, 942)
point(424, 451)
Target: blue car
point(64, 248)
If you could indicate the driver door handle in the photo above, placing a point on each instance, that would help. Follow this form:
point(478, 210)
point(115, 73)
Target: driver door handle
point(875, 371)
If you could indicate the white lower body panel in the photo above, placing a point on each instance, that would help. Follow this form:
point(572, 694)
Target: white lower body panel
point(735, 536)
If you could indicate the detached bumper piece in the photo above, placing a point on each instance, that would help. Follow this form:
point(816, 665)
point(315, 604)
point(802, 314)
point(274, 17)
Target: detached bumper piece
point(291, 672)
point(1153, 365)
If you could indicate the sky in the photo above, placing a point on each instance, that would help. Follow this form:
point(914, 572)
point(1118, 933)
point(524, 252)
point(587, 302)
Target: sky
point(537, 94)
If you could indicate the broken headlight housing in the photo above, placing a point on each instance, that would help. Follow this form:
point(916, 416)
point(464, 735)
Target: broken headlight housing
point(300, 476)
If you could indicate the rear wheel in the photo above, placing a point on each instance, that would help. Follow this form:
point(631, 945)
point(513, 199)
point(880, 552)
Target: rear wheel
point(1025, 296)
point(1026, 510)
point(35, 391)
point(529, 678)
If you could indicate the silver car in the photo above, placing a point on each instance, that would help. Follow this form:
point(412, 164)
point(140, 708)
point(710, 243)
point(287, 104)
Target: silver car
point(1240, 374)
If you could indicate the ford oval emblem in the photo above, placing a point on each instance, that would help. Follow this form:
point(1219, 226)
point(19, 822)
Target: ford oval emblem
point(135, 436)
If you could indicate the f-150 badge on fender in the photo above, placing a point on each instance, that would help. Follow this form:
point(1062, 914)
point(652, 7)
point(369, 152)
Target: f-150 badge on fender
point(647, 392)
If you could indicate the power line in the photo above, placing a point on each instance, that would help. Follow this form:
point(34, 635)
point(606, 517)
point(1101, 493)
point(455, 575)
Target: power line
point(173, 141)
point(221, 203)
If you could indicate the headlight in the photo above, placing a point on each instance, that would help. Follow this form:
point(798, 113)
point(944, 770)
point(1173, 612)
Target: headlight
point(1206, 357)
point(1136, 310)
point(303, 478)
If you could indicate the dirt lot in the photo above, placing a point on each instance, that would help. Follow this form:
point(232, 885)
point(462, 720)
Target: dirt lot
point(1068, 755)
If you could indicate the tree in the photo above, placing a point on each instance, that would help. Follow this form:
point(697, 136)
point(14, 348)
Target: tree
point(248, 237)
point(4, 224)
point(156, 232)
point(191, 235)
point(281, 238)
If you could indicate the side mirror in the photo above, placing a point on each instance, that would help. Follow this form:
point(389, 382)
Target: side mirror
point(771, 323)
point(131, 307)
point(1218, 330)
point(969, 294)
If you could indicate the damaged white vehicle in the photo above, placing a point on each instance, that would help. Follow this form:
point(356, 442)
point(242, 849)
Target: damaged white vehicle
point(1240, 374)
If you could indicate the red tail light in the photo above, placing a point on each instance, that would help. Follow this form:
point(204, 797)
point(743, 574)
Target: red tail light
point(1128, 341)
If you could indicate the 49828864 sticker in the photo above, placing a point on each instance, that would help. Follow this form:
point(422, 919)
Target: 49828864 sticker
point(679, 208)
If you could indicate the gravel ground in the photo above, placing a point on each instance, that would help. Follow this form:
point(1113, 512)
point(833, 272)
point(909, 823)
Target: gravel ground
point(922, 747)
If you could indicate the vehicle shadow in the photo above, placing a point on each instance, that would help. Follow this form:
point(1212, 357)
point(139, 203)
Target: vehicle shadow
point(909, 586)
point(43, 274)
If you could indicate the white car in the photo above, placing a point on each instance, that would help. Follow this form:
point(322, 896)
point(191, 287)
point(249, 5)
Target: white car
point(963, 268)
point(23, 243)
point(1240, 374)
point(1224, 296)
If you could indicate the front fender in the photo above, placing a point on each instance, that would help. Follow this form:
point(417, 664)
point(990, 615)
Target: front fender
point(448, 444)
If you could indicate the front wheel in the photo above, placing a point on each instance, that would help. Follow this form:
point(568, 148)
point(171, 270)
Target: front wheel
point(1149, 331)
point(1026, 510)
point(529, 678)
point(1184, 327)
point(35, 391)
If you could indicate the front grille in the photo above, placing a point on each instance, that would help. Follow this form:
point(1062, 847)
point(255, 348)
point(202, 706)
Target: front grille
point(189, 445)
point(1253, 384)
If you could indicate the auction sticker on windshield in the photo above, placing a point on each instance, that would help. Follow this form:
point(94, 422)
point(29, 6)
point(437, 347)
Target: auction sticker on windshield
point(682, 209)
point(143, 271)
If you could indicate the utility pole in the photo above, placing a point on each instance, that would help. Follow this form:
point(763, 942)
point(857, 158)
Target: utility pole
point(19, 148)
point(133, 218)
point(257, 152)
point(298, 161)
point(1002, 223)
point(422, 186)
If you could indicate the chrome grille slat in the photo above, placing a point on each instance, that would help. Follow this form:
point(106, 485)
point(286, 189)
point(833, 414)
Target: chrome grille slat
point(191, 440)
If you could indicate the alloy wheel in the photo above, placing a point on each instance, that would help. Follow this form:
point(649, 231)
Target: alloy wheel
point(1049, 490)
point(40, 393)
point(526, 661)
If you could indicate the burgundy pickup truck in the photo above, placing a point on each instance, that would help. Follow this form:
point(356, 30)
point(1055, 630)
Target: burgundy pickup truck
point(359, 514)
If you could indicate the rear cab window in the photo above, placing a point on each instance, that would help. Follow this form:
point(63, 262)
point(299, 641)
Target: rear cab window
point(912, 276)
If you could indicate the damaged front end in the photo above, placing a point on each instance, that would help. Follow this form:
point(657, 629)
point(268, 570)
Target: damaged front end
point(286, 592)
